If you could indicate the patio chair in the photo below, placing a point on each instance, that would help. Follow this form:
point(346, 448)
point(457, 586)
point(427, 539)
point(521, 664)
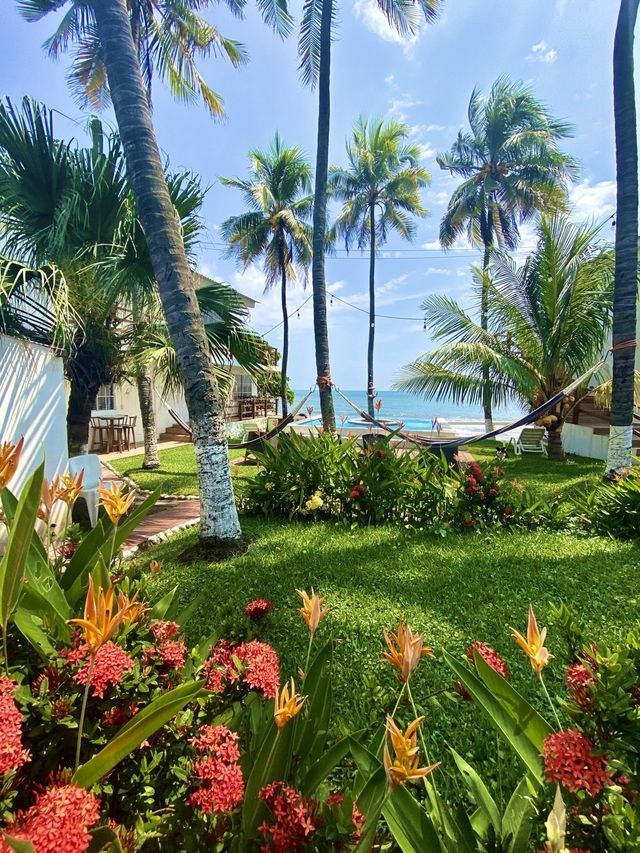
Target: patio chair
point(90, 464)
point(530, 440)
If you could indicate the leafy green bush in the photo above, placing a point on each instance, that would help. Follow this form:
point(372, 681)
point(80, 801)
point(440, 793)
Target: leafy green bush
point(613, 508)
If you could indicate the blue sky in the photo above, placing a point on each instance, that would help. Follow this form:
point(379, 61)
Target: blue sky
point(563, 48)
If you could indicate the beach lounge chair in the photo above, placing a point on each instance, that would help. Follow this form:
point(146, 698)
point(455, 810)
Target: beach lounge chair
point(530, 440)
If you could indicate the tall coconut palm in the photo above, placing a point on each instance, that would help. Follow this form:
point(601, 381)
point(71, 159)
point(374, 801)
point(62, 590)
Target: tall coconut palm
point(314, 48)
point(276, 227)
point(626, 287)
point(549, 322)
point(512, 170)
point(110, 22)
point(380, 189)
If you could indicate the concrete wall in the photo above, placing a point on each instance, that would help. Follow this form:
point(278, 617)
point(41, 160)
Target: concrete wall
point(32, 404)
point(581, 441)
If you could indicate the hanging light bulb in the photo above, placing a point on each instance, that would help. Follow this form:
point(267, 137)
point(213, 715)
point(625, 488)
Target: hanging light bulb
point(298, 314)
point(424, 325)
point(331, 300)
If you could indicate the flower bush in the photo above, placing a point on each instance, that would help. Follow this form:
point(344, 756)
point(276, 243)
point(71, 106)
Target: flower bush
point(612, 508)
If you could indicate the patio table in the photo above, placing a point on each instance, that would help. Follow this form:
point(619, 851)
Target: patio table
point(114, 424)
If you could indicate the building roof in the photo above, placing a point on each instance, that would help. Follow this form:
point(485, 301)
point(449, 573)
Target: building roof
point(202, 280)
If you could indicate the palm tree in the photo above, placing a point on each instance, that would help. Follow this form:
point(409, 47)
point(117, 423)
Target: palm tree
point(314, 48)
point(110, 22)
point(511, 169)
point(549, 323)
point(380, 189)
point(276, 225)
point(626, 286)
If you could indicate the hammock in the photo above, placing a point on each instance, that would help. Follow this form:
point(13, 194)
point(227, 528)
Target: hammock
point(457, 442)
point(253, 442)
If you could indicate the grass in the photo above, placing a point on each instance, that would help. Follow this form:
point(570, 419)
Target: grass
point(177, 474)
point(456, 590)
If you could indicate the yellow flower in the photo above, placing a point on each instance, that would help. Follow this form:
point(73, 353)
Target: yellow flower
point(9, 458)
point(116, 501)
point(133, 609)
point(100, 621)
point(288, 704)
point(405, 650)
point(311, 610)
point(315, 502)
point(50, 494)
point(403, 767)
point(70, 487)
point(533, 646)
point(155, 566)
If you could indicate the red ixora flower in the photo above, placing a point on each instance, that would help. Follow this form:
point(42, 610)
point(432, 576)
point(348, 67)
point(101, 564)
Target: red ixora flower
point(221, 782)
point(111, 663)
point(12, 755)
point(579, 679)
point(262, 670)
point(258, 608)
point(164, 631)
point(357, 492)
point(475, 471)
point(569, 760)
point(294, 819)
point(490, 656)
point(507, 513)
point(58, 821)
point(469, 522)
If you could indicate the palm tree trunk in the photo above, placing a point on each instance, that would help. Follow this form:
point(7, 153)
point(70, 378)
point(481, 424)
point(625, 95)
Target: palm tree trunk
point(555, 447)
point(82, 399)
point(285, 336)
point(484, 324)
point(144, 381)
point(320, 327)
point(371, 392)
point(626, 263)
point(218, 516)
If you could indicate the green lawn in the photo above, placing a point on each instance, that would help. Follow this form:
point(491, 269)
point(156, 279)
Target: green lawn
point(455, 590)
point(177, 474)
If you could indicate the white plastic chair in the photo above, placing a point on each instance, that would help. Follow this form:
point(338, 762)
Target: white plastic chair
point(90, 464)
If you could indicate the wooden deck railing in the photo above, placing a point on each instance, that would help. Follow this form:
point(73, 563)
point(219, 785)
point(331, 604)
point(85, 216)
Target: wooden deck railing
point(250, 408)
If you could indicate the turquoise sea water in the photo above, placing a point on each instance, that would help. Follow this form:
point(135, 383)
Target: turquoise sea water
point(404, 406)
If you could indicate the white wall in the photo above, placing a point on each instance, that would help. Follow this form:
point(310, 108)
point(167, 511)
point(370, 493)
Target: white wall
point(32, 404)
point(581, 440)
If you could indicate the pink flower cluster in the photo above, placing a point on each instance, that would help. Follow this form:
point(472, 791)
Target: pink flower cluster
point(261, 667)
point(294, 819)
point(258, 608)
point(164, 631)
point(221, 782)
point(12, 755)
point(579, 680)
point(168, 652)
point(490, 656)
point(570, 761)
point(111, 663)
point(58, 821)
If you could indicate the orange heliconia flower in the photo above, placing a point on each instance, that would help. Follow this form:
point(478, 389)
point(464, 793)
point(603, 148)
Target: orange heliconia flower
point(312, 611)
point(134, 610)
point(288, 704)
point(9, 458)
point(403, 766)
point(405, 650)
point(69, 487)
point(116, 501)
point(101, 619)
point(533, 646)
point(49, 495)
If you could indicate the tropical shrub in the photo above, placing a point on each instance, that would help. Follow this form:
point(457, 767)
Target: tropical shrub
point(612, 508)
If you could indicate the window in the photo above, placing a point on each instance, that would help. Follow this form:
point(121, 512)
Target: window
point(106, 398)
point(242, 386)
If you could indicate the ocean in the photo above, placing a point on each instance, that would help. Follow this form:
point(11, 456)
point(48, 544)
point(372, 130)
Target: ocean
point(402, 405)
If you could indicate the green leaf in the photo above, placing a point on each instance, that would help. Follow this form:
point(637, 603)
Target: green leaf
point(321, 768)
point(18, 844)
point(518, 816)
point(479, 793)
point(513, 729)
point(271, 763)
point(159, 609)
point(12, 565)
point(104, 837)
point(33, 632)
point(85, 553)
point(534, 726)
point(138, 729)
point(370, 804)
point(409, 823)
point(312, 729)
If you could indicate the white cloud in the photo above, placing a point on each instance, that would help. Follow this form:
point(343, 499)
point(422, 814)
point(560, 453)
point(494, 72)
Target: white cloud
point(593, 202)
point(541, 52)
point(376, 21)
point(397, 106)
point(390, 79)
point(440, 198)
point(426, 150)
